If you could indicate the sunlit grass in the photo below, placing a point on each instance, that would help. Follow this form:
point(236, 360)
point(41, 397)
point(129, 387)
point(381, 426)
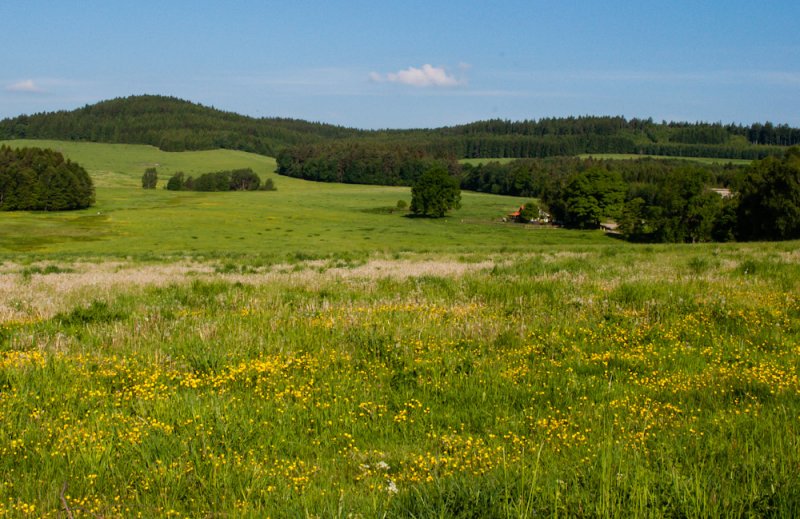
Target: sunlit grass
point(633, 156)
point(301, 217)
point(606, 382)
point(311, 352)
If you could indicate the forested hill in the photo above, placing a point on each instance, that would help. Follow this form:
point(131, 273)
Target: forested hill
point(174, 125)
point(171, 124)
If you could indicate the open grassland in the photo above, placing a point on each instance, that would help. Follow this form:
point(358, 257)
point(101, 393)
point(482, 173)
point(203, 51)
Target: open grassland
point(621, 156)
point(302, 218)
point(478, 162)
point(616, 381)
point(309, 352)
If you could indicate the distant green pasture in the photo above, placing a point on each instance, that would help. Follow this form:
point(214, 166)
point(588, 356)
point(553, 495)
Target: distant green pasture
point(478, 162)
point(632, 156)
point(620, 156)
point(302, 218)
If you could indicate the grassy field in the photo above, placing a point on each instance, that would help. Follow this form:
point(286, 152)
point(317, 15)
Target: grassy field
point(631, 156)
point(477, 162)
point(453, 368)
point(622, 156)
point(302, 218)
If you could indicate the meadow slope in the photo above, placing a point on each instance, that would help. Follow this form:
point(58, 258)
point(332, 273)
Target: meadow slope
point(302, 218)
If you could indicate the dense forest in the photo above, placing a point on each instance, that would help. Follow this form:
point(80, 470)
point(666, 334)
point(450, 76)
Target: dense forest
point(175, 125)
point(33, 179)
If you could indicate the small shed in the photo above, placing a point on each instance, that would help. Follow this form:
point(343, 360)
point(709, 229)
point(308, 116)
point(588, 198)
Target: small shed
point(610, 227)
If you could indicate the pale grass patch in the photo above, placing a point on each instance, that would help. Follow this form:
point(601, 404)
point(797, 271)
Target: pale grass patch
point(42, 296)
point(791, 256)
point(403, 269)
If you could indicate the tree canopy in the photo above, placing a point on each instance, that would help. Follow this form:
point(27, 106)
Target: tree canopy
point(435, 193)
point(36, 179)
point(588, 198)
point(763, 204)
point(769, 207)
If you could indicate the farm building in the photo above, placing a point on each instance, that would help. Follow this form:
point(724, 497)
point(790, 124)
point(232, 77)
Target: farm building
point(517, 216)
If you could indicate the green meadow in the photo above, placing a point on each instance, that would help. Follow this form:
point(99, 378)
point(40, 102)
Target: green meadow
point(623, 156)
point(631, 156)
point(312, 352)
point(302, 218)
point(477, 162)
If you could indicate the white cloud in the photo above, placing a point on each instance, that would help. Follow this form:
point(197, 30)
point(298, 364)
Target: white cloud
point(426, 76)
point(27, 85)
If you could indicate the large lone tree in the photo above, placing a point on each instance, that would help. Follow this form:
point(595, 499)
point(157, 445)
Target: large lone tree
point(435, 192)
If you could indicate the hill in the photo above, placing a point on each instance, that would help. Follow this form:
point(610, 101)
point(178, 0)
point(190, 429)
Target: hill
point(169, 123)
point(176, 125)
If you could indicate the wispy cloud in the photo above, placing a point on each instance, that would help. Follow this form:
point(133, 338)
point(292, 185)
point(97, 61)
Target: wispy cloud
point(773, 77)
point(25, 86)
point(780, 78)
point(426, 76)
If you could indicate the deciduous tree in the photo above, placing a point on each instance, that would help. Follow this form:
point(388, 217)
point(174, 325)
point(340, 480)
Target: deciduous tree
point(590, 196)
point(435, 192)
point(769, 208)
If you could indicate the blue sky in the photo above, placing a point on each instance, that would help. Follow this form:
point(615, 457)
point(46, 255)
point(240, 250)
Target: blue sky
point(409, 63)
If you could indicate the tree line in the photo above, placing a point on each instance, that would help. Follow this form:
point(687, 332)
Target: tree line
point(762, 202)
point(35, 179)
point(357, 163)
point(176, 125)
point(535, 177)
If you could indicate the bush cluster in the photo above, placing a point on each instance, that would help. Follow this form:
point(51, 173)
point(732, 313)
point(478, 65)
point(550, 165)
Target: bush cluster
point(234, 180)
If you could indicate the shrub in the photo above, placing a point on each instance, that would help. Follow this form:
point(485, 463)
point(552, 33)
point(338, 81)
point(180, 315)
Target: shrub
point(150, 178)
